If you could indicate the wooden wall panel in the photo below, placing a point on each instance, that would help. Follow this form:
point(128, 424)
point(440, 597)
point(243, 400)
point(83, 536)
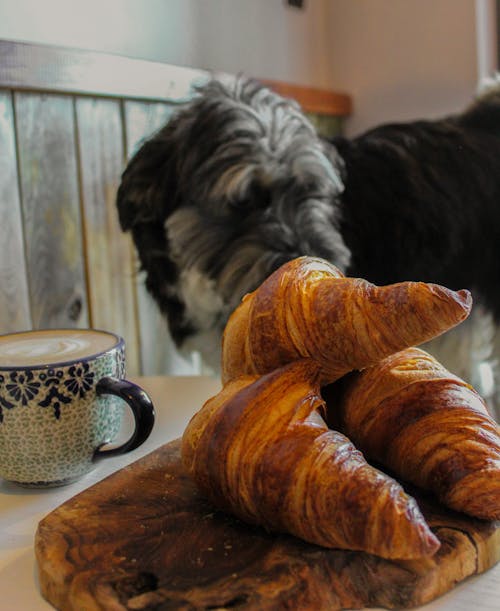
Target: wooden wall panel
point(109, 254)
point(158, 353)
point(50, 203)
point(14, 299)
point(78, 71)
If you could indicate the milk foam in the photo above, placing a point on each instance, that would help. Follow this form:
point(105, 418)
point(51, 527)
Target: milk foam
point(35, 348)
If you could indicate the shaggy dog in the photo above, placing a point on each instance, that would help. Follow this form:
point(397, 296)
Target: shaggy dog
point(238, 182)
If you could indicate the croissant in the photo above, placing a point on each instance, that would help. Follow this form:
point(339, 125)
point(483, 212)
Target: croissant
point(308, 309)
point(427, 426)
point(260, 450)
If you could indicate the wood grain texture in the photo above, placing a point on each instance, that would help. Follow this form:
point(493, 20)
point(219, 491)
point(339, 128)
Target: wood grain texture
point(158, 353)
point(50, 202)
point(50, 68)
point(14, 296)
point(108, 251)
point(145, 539)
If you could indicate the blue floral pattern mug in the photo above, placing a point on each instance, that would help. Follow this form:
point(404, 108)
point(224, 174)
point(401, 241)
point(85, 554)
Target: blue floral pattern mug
point(62, 394)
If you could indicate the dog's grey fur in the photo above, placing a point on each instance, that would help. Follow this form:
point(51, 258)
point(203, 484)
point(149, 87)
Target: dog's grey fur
point(238, 182)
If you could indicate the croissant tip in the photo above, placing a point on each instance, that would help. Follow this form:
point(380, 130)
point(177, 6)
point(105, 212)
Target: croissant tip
point(461, 298)
point(465, 298)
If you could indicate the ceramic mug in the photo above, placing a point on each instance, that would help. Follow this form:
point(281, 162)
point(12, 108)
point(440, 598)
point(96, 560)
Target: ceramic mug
point(62, 395)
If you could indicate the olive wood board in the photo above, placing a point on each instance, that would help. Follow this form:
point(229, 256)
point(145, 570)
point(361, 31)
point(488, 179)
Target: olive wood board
point(144, 539)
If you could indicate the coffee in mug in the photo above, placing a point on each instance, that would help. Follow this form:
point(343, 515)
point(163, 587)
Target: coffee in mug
point(62, 394)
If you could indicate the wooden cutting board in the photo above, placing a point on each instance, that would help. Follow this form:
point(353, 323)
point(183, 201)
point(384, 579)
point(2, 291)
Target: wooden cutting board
point(144, 539)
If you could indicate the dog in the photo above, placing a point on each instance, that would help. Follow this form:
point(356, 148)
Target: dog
point(238, 182)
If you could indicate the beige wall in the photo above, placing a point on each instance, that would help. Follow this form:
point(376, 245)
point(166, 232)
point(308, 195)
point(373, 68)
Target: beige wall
point(400, 59)
point(403, 59)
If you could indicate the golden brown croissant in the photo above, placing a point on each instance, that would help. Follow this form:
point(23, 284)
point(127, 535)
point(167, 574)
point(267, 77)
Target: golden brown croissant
point(427, 426)
point(308, 309)
point(260, 450)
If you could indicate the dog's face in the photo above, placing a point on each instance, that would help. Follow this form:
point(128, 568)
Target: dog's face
point(236, 184)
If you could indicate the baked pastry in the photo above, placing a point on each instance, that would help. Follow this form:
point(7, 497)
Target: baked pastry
point(308, 309)
point(427, 426)
point(261, 451)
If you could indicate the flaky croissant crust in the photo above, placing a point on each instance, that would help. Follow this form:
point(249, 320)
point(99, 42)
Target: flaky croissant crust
point(260, 450)
point(428, 426)
point(308, 309)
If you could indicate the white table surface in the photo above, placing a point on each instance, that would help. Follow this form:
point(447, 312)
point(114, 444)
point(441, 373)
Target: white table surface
point(175, 400)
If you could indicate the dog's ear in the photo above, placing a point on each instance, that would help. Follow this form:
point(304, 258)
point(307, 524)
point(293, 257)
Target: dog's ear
point(148, 183)
point(145, 198)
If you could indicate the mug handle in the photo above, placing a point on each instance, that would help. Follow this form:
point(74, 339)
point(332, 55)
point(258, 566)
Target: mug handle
point(142, 408)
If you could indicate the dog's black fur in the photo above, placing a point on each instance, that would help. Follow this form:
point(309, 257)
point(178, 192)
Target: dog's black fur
point(238, 182)
point(422, 202)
